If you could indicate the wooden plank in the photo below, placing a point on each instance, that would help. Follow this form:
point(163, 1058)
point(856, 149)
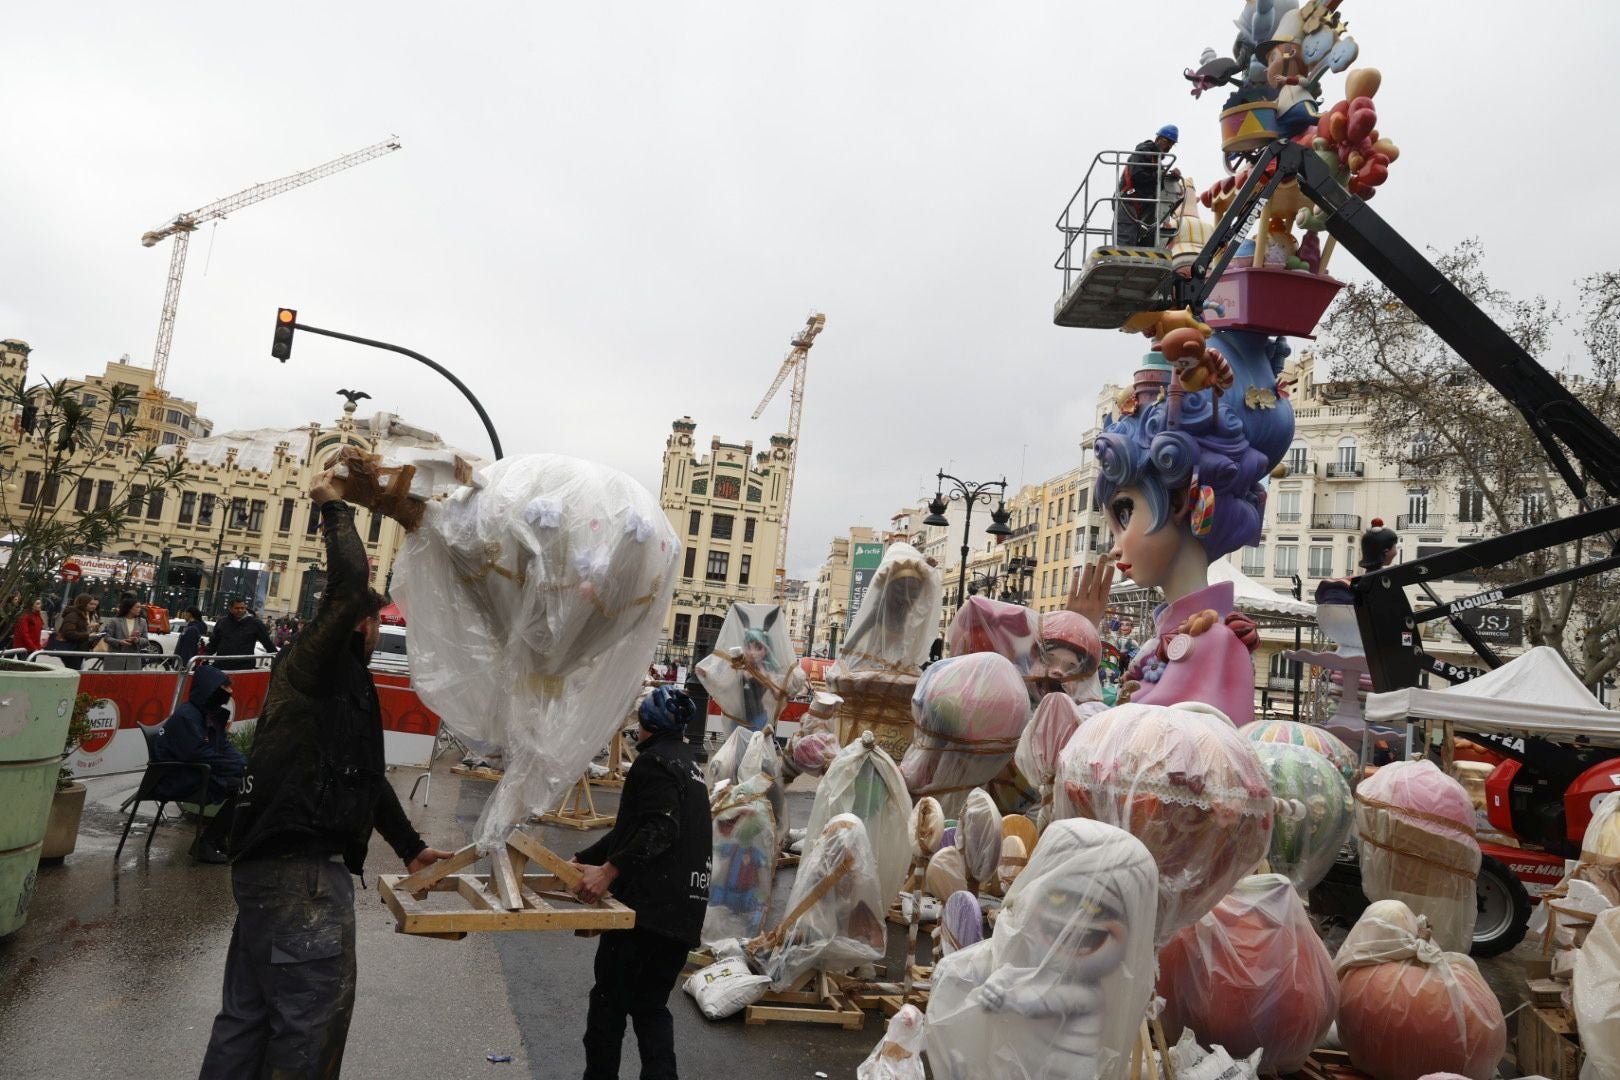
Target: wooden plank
point(412, 917)
point(565, 871)
point(475, 893)
point(423, 880)
point(505, 882)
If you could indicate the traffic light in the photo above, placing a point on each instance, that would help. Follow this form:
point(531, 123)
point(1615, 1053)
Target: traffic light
point(281, 344)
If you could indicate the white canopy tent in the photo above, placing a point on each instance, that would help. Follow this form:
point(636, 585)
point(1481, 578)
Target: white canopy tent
point(1533, 694)
point(1250, 596)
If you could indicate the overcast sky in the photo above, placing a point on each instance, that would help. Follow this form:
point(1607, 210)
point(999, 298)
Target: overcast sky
point(608, 215)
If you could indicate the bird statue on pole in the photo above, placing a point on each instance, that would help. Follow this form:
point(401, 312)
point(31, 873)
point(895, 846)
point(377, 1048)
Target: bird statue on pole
point(354, 397)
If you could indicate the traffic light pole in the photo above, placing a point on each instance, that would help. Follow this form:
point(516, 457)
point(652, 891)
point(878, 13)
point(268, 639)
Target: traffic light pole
point(489, 427)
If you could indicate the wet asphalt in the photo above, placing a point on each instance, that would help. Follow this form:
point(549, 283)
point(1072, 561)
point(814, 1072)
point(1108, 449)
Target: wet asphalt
point(117, 972)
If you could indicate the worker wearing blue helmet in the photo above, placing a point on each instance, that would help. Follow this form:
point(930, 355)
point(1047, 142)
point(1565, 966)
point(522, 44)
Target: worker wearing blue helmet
point(1142, 195)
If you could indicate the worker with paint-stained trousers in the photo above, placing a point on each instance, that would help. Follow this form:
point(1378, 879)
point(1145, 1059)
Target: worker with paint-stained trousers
point(656, 861)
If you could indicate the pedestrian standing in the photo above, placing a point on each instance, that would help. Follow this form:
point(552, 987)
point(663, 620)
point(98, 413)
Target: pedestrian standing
point(30, 628)
point(656, 861)
point(124, 636)
point(74, 634)
point(236, 634)
point(191, 638)
point(315, 789)
point(697, 727)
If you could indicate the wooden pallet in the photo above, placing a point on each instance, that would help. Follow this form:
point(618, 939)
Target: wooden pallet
point(483, 772)
point(1329, 1065)
point(816, 1000)
point(578, 810)
point(506, 898)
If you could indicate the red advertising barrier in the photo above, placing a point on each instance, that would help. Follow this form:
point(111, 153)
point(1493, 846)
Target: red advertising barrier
point(402, 710)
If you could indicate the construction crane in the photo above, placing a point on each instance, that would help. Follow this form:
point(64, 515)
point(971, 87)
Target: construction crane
point(184, 225)
point(796, 360)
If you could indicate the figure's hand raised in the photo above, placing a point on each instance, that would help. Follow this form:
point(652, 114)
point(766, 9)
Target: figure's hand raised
point(1088, 595)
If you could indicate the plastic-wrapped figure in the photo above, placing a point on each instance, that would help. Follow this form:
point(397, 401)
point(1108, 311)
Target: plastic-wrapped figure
point(814, 746)
point(896, 621)
point(1055, 720)
point(864, 781)
point(962, 923)
point(969, 711)
point(1186, 784)
point(1319, 739)
point(926, 827)
point(978, 834)
point(744, 861)
point(753, 670)
point(1014, 855)
point(534, 597)
point(834, 920)
point(995, 626)
point(946, 873)
point(898, 1056)
point(1181, 480)
point(1060, 987)
point(1071, 652)
point(1309, 833)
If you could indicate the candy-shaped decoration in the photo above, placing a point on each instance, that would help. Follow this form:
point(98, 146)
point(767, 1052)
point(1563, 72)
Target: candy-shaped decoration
point(1059, 988)
point(1416, 827)
point(1316, 738)
point(864, 781)
point(834, 919)
point(968, 711)
point(744, 864)
point(962, 923)
point(1407, 1008)
point(1250, 975)
point(1185, 783)
point(926, 827)
point(978, 834)
point(1317, 816)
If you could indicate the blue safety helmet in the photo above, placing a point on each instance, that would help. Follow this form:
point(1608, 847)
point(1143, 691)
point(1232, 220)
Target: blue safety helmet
point(1169, 131)
point(666, 710)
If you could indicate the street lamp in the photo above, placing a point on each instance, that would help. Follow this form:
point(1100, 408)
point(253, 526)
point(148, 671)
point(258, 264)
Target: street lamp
point(968, 494)
point(1299, 591)
point(1019, 568)
point(219, 544)
point(837, 617)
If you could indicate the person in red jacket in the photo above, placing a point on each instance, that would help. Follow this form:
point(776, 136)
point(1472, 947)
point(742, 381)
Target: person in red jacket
point(30, 629)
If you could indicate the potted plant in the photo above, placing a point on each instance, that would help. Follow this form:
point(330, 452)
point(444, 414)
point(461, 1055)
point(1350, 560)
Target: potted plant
point(67, 805)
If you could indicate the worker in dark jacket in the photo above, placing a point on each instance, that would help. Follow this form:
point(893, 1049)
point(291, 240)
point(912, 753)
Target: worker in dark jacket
point(191, 638)
point(656, 861)
point(697, 729)
point(196, 733)
point(1141, 188)
point(236, 634)
point(314, 790)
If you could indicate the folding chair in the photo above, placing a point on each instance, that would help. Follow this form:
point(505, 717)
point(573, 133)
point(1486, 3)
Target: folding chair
point(191, 775)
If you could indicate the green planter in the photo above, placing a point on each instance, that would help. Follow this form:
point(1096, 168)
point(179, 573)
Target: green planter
point(36, 703)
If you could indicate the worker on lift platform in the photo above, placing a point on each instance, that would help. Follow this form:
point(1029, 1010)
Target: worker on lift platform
point(1140, 187)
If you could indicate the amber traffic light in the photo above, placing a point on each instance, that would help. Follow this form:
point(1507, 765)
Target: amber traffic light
point(281, 344)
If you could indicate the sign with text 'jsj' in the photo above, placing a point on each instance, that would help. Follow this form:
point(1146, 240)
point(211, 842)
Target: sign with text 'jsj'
point(864, 561)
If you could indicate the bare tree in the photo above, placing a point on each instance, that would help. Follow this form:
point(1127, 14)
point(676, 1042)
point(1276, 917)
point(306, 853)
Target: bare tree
point(1439, 421)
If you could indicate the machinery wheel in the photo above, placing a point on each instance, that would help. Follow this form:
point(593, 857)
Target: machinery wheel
point(1503, 912)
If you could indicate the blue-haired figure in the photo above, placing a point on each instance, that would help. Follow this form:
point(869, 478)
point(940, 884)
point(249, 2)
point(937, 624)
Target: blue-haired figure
point(1182, 483)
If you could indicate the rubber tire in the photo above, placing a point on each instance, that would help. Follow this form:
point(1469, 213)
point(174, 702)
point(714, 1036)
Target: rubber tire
point(1499, 877)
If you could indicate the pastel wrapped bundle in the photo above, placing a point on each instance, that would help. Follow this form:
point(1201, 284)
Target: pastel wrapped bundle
point(813, 747)
point(535, 597)
point(864, 781)
point(968, 712)
point(926, 827)
point(834, 920)
point(744, 865)
point(962, 923)
point(1600, 848)
point(762, 757)
point(1186, 784)
point(887, 644)
point(1012, 631)
point(1596, 996)
point(1416, 827)
point(1042, 742)
point(978, 834)
point(1252, 975)
point(753, 670)
point(898, 1056)
point(1071, 653)
point(1407, 1008)
point(1308, 834)
point(1320, 739)
point(1014, 856)
point(946, 873)
point(1060, 986)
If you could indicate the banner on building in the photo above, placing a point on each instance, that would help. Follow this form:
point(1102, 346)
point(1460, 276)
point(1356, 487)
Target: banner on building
point(864, 561)
point(111, 568)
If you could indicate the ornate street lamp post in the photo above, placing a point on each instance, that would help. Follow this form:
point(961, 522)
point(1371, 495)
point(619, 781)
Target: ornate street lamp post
point(968, 494)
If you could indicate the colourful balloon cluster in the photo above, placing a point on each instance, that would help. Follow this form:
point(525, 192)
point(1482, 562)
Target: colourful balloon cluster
point(1347, 136)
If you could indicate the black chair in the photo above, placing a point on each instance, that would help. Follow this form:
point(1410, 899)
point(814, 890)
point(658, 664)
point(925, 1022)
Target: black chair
point(158, 784)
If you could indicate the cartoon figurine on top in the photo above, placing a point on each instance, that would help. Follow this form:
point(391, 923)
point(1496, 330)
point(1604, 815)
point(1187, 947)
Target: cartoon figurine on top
point(753, 670)
point(1180, 479)
point(1071, 652)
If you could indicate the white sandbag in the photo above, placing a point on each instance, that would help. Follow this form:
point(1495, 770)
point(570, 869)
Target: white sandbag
point(864, 781)
point(535, 599)
point(726, 988)
point(1595, 993)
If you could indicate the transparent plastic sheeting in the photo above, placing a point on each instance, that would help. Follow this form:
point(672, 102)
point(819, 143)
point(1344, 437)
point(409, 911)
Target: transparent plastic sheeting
point(1060, 987)
point(1416, 827)
point(893, 628)
point(744, 864)
point(535, 599)
point(744, 755)
point(1600, 849)
point(1318, 816)
point(969, 711)
point(814, 745)
point(1043, 739)
point(961, 923)
point(1011, 631)
point(1596, 997)
point(946, 873)
point(1014, 856)
point(1320, 739)
point(1071, 651)
point(834, 918)
point(898, 1055)
point(1185, 783)
point(1252, 975)
point(978, 834)
point(1407, 1008)
point(863, 780)
point(753, 670)
point(926, 827)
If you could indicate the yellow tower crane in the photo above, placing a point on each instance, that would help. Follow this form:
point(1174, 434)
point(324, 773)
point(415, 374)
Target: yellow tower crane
point(795, 361)
point(184, 225)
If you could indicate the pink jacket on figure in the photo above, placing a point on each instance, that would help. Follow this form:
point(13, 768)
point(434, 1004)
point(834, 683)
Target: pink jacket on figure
point(1213, 666)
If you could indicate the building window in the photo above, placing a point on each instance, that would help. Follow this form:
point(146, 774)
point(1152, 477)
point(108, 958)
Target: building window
point(1283, 668)
point(170, 438)
point(30, 488)
point(1470, 506)
point(90, 401)
point(727, 487)
point(1417, 506)
point(1347, 453)
point(1321, 564)
point(1287, 561)
point(694, 522)
point(137, 499)
point(743, 567)
point(286, 516)
point(255, 516)
point(81, 497)
point(185, 421)
point(1254, 561)
point(205, 514)
point(375, 532)
point(172, 416)
point(1296, 459)
point(755, 494)
point(154, 506)
point(1287, 506)
point(691, 563)
point(1532, 507)
point(314, 521)
point(53, 490)
point(720, 526)
point(719, 563)
point(748, 530)
point(188, 507)
point(104, 494)
point(683, 629)
point(112, 427)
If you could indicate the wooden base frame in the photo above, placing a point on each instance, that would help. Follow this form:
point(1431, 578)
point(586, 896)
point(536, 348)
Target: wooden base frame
point(615, 764)
point(482, 772)
point(506, 898)
point(816, 1000)
point(578, 810)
